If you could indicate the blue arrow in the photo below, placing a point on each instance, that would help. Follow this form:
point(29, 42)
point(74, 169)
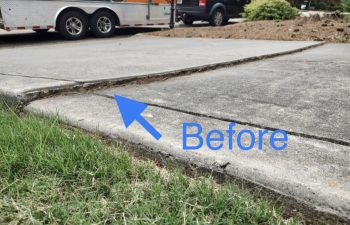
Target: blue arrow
point(131, 110)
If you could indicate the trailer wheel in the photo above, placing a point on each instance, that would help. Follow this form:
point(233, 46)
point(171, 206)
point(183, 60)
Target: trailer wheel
point(73, 25)
point(103, 24)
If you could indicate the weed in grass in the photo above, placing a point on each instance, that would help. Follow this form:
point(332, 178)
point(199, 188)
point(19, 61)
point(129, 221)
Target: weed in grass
point(52, 175)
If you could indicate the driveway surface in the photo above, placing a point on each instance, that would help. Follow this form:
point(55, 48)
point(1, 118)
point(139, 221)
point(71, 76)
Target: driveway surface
point(305, 93)
point(94, 60)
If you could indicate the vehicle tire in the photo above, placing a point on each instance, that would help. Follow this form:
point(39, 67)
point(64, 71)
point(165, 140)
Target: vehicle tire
point(73, 25)
point(103, 24)
point(217, 18)
point(41, 31)
point(188, 21)
point(226, 21)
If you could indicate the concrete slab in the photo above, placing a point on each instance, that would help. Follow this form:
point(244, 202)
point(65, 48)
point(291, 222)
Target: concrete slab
point(307, 93)
point(96, 60)
point(313, 172)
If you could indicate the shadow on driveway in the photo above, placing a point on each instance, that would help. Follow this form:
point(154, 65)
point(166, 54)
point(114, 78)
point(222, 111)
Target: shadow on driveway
point(20, 38)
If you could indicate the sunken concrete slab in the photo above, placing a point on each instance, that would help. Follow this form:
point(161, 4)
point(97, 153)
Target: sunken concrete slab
point(116, 60)
point(312, 172)
point(306, 93)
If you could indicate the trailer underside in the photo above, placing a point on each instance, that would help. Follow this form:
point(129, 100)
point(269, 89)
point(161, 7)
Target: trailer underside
point(31, 14)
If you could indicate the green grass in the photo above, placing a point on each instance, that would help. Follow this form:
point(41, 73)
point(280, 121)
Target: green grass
point(53, 175)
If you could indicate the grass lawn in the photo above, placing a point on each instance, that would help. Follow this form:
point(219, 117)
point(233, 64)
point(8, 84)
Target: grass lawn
point(53, 175)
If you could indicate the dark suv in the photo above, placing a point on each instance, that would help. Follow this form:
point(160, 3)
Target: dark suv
point(216, 12)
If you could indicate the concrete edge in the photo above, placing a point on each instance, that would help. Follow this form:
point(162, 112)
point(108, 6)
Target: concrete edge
point(20, 100)
point(11, 98)
point(311, 214)
point(82, 86)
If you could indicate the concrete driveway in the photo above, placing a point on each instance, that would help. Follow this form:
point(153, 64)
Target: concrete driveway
point(306, 93)
point(29, 69)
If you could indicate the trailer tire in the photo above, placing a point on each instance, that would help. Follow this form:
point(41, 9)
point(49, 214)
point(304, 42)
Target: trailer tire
point(72, 25)
point(103, 24)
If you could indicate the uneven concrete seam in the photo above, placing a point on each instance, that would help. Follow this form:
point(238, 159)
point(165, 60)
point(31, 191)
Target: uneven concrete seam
point(298, 134)
point(27, 76)
point(24, 99)
point(106, 83)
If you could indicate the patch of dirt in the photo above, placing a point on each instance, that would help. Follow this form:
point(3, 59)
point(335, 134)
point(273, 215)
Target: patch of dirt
point(300, 29)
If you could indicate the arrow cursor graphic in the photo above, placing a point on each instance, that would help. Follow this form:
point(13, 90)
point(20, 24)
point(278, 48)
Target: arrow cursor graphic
point(131, 110)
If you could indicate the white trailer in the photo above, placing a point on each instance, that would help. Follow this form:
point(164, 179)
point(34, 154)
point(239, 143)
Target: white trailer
point(74, 18)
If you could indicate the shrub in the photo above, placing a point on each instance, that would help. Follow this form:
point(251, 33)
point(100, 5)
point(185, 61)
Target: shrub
point(322, 6)
point(345, 5)
point(270, 10)
point(328, 5)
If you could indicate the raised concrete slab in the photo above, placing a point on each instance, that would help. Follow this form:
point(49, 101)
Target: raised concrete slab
point(307, 93)
point(313, 172)
point(96, 60)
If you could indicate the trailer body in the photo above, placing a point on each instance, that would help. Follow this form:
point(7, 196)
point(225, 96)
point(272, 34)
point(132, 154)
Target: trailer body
point(45, 14)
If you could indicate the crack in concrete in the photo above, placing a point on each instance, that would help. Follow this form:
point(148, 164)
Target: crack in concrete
point(39, 77)
point(81, 86)
point(244, 123)
point(36, 94)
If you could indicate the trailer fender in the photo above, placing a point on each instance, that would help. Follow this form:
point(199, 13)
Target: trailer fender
point(117, 21)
